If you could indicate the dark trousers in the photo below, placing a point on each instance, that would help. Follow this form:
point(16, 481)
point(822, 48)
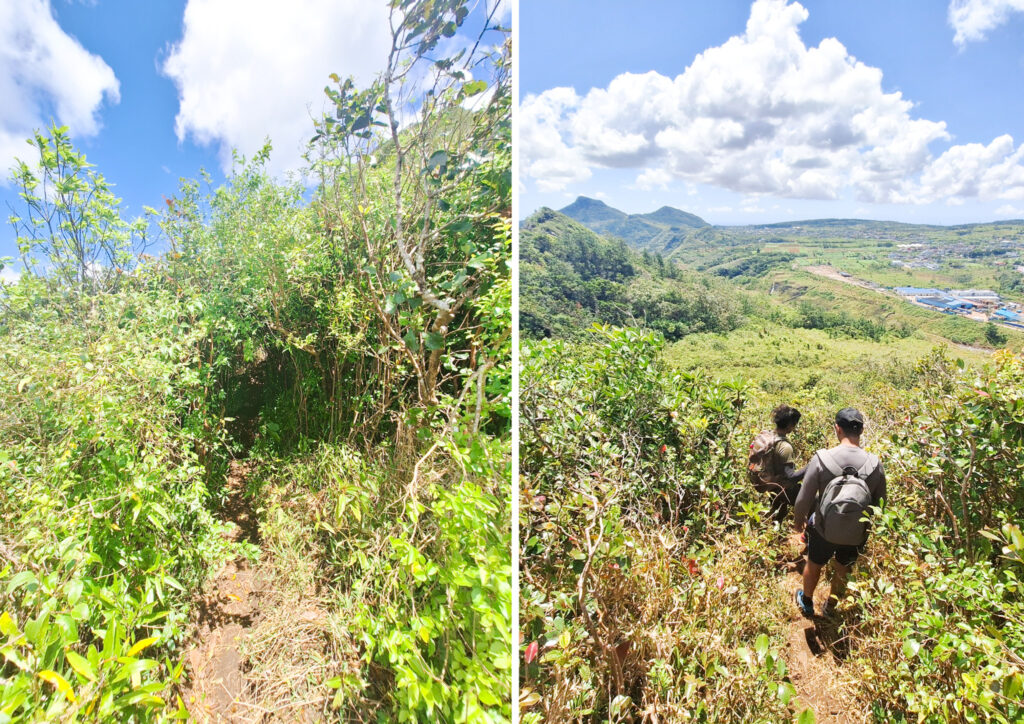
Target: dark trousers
point(782, 500)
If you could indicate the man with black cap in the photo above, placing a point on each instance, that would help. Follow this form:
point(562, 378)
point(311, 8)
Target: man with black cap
point(840, 485)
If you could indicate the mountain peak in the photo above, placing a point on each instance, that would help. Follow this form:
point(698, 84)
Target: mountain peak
point(670, 216)
point(587, 210)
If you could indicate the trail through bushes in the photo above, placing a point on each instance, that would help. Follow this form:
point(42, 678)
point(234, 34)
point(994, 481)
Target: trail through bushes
point(351, 339)
point(225, 613)
point(653, 588)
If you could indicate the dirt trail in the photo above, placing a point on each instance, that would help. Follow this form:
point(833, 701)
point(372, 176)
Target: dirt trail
point(835, 274)
point(814, 654)
point(227, 612)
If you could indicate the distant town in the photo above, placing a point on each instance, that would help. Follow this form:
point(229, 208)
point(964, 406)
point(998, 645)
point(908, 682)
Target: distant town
point(980, 304)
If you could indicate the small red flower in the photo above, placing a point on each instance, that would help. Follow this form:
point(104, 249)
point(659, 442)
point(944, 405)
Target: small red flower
point(531, 651)
point(983, 393)
point(692, 567)
point(720, 583)
point(663, 449)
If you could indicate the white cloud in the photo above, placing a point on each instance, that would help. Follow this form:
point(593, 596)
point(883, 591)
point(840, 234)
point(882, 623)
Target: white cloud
point(9, 275)
point(972, 19)
point(45, 74)
point(1010, 211)
point(248, 69)
point(973, 171)
point(763, 114)
point(545, 155)
point(653, 178)
point(503, 12)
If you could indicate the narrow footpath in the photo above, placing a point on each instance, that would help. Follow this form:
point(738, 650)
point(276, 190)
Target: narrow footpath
point(227, 612)
point(814, 655)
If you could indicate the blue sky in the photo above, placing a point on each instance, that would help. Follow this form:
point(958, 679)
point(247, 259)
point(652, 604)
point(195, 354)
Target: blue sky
point(154, 91)
point(756, 112)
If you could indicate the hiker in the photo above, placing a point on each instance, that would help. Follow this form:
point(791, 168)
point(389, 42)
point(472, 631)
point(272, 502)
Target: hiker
point(840, 484)
point(770, 464)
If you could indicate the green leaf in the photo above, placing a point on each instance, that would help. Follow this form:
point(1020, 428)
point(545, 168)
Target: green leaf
point(910, 648)
point(411, 341)
point(806, 717)
point(437, 158)
point(25, 578)
point(433, 341)
point(131, 667)
point(474, 87)
point(362, 122)
point(81, 665)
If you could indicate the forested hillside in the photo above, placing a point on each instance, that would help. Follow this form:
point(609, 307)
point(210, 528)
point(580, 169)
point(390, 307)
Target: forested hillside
point(570, 278)
point(305, 389)
point(660, 231)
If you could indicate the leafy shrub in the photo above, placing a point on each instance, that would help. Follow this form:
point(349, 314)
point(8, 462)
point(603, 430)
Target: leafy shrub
point(105, 501)
point(627, 480)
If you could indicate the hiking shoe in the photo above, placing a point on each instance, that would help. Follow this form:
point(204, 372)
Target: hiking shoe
point(805, 605)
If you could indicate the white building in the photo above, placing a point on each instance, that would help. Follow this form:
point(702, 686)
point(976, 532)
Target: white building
point(975, 295)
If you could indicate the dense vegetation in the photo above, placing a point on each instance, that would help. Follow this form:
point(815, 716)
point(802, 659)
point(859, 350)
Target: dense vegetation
point(659, 231)
point(651, 583)
point(652, 587)
point(570, 278)
point(351, 341)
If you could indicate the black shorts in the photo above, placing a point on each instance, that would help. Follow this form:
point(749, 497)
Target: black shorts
point(820, 550)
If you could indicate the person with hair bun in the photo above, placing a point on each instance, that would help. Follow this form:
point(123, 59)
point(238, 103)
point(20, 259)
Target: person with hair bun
point(771, 463)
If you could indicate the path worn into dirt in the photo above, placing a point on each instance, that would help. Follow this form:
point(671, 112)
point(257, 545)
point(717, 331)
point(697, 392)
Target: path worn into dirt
point(834, 274)
point(814, 654)
point(227, 612)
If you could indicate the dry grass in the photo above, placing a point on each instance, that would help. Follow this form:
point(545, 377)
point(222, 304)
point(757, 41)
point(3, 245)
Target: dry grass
point(293, 650)
point(670, 639)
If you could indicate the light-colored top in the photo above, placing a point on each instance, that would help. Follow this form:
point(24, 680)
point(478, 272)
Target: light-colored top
point(817, 477)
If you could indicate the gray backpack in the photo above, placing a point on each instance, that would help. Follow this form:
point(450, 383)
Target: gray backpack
point(844, 501)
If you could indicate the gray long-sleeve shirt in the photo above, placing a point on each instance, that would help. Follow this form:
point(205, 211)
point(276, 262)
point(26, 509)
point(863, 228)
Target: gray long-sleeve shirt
point(817, 476)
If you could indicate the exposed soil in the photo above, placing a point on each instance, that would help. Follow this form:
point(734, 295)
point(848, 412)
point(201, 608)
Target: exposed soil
point(226, 613)
point(832, 273)
point(814, 656)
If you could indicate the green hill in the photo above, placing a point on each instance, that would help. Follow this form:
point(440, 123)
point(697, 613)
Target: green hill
point(658, 231)
point(671, 217)
point(571, 277)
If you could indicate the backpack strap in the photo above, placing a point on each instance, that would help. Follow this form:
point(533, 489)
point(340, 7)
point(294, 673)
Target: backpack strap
point(868, 467)
point(829, 463)
point(836, 471)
